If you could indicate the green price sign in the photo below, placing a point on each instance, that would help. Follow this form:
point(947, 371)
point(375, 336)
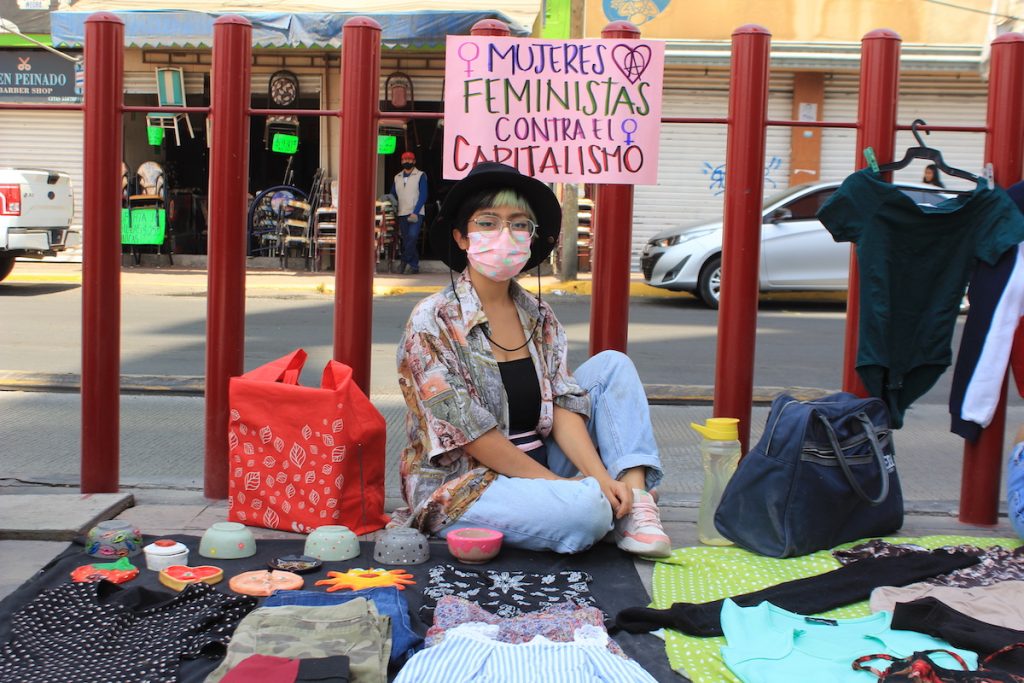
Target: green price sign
point(155, 134)
point(284, 143)
point(386, 144)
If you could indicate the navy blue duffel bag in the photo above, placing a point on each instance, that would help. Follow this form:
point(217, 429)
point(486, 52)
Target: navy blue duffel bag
point(822, 474)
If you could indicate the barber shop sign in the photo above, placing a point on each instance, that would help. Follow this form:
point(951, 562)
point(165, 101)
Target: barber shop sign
point(37, 76)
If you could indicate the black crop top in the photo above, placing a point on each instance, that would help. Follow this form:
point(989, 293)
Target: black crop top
point(523, 391)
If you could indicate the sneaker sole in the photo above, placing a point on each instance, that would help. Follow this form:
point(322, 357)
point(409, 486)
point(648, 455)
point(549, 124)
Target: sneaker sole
point(637, 548)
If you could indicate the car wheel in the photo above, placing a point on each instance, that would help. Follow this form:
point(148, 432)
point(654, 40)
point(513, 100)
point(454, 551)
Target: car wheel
point(6, 266)
point(709, 285)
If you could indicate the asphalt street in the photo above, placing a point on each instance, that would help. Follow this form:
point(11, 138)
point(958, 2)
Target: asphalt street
point(671, 341)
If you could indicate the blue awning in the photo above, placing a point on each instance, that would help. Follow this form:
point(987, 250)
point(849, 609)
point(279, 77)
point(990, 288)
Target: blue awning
point(186, 28)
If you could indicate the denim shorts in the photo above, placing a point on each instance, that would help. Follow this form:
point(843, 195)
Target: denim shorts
point(1015, 489)
point(388, 600)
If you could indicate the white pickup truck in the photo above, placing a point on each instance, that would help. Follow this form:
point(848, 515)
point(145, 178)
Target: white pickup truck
point(36, 207)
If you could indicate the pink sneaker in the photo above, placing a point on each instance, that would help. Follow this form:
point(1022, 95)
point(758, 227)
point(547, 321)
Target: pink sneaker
point(640, 531)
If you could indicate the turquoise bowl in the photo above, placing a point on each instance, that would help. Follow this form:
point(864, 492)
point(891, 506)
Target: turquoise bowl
point(332, 543)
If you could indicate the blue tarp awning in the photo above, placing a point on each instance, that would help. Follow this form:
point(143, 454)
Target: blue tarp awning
point(188, 28)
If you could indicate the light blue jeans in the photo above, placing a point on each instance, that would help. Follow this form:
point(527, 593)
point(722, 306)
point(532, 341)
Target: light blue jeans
point(570, 516)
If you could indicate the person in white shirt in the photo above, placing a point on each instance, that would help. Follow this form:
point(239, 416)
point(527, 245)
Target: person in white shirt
point(410, 187)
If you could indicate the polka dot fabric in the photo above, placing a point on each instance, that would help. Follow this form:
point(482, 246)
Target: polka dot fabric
point(99, 632)
point(702, 574)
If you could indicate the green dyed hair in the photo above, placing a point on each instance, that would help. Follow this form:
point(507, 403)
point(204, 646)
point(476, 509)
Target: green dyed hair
point(493, 199)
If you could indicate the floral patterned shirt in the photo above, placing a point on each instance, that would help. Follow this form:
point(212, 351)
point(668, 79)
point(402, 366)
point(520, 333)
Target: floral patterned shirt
point(453, 389)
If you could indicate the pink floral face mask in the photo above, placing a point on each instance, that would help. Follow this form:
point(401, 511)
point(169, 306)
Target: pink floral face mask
point(499, 254)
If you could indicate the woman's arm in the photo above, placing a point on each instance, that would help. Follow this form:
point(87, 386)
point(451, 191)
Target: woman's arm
point(570, 433)
point(495, 451)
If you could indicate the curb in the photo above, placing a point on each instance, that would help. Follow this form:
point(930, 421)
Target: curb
point(194, 385)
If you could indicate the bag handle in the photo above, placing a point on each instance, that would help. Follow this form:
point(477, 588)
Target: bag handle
point(335, 375)
point(285, 369)
point(876, 447)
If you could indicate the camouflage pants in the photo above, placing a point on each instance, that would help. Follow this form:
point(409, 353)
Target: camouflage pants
point(353, 629)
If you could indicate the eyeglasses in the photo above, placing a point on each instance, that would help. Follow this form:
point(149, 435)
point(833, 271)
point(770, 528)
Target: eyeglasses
point(520, 226)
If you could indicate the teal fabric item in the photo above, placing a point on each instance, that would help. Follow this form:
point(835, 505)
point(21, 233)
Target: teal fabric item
point(915, 261)
point(766, 644)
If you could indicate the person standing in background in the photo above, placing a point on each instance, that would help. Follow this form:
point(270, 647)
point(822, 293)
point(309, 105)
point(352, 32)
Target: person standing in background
point(410, 187)
point(931, 176)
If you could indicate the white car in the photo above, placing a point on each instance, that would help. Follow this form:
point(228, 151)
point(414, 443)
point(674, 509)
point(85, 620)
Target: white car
point(36, 207)
point(797, 252)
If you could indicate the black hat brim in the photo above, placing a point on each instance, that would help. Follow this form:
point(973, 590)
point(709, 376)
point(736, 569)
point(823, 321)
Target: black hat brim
point(488, 176)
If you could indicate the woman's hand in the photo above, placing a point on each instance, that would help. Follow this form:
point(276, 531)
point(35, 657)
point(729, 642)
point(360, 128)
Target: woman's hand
point(618, 494)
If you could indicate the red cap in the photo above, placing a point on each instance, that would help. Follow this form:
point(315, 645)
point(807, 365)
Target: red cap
point(408, 156)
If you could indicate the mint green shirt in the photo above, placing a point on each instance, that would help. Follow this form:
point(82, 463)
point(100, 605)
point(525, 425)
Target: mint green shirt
point(767, 644)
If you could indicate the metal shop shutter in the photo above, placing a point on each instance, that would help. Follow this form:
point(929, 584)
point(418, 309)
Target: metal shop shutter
point(939, 101)
point(45, 139)
point(692, 156)
point(144, 83)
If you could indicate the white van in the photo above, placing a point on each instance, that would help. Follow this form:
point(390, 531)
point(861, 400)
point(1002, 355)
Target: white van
point(36, 208)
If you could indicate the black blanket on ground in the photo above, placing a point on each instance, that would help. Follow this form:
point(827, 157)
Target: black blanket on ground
point(616, 586)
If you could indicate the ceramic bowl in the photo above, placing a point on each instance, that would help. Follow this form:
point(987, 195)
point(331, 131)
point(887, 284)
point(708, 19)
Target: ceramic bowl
point(474, 546)
point(227, 541)
point(114, 538)
point(164, 553)
point(332, 543)
point(401, 546)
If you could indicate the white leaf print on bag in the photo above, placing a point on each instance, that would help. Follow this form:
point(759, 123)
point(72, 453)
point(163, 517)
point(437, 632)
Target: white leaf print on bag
point(243, 429)
point(269, 481)
point(297, 455)
point(269, 462)
point(289, 491)
point(313, 449)
point(310, 477)
point(307, 433)
point(238, 472)
point(257, 503)
point(282, 477)
point(271, 518)
point(326, 469)
point(241, 498)
point(248, 448)
point(279, 444)
point(332, 502)
point(232, 440)
point(252, 481)
point(338, 425)
point(328, 440)
point(235, 416)
point(242, 515)
point(314, 497)
point(339, 481)
point(266, 435)
point(286, 506)
point(338, 454)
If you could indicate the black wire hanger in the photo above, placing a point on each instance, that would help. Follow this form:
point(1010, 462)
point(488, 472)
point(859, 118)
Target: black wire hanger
point(923, 151)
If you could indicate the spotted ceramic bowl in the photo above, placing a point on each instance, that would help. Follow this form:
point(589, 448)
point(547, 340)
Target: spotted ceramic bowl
point(227, 541)
point(401, 546)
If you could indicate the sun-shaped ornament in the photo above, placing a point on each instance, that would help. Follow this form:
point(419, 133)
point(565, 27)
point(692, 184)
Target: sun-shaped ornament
point(358, 579)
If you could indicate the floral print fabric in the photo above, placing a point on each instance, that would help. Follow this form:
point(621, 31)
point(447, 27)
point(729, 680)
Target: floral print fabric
point(452, 386)
point(996, 563)
point(505, 593)
point(558, 622)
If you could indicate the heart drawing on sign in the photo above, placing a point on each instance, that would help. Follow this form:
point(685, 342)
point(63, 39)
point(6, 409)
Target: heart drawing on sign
point(632, 61)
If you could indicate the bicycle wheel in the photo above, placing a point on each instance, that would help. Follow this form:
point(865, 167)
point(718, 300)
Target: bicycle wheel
point(265, 213)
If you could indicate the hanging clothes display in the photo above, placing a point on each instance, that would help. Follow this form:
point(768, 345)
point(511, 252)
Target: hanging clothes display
point(997, 303)
point(101, 632)
point(914, 263)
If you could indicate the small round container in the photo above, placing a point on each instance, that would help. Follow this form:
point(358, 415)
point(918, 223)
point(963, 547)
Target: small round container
point(114, 538)
point(227, 541)
point(401, 546)
point(474, 546)
point(163, 553)
point(298, 564)
point(332, 543)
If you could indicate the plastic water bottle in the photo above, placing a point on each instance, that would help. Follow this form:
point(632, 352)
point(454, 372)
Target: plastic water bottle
point(720, 452)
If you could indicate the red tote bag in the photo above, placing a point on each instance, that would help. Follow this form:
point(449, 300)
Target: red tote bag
point(303, 457)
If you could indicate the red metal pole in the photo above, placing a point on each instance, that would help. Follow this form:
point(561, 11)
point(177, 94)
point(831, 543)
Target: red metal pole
point(229, 182)
point(354, 258)
point(741, 249)
point(876, 118)
point(1004, 147)
point(613, 234)
point(101, 262)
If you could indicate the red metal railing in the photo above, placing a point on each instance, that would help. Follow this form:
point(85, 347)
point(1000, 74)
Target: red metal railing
point(747, 122)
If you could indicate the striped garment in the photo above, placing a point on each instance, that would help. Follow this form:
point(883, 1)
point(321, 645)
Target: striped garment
point(469, 653)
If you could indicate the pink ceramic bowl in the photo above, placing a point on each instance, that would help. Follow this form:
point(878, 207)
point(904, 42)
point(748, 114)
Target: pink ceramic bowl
point(474, 546)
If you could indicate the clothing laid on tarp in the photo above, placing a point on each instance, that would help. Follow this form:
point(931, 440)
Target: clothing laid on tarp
point(996, 295)
point(766, 644)
point(267, 669)
point(914, 263)
point(932, 616)
point(995, 564)
point(142, 633)
point(1001, 604)
point(812, 595)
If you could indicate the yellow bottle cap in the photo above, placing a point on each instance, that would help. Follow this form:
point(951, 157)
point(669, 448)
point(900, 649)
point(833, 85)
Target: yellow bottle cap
point(719, 428)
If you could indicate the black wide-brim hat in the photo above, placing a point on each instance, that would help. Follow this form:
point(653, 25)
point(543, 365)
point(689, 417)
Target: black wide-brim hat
point(490, 175)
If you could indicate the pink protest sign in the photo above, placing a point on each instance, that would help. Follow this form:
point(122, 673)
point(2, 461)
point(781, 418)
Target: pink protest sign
point(561, 111)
